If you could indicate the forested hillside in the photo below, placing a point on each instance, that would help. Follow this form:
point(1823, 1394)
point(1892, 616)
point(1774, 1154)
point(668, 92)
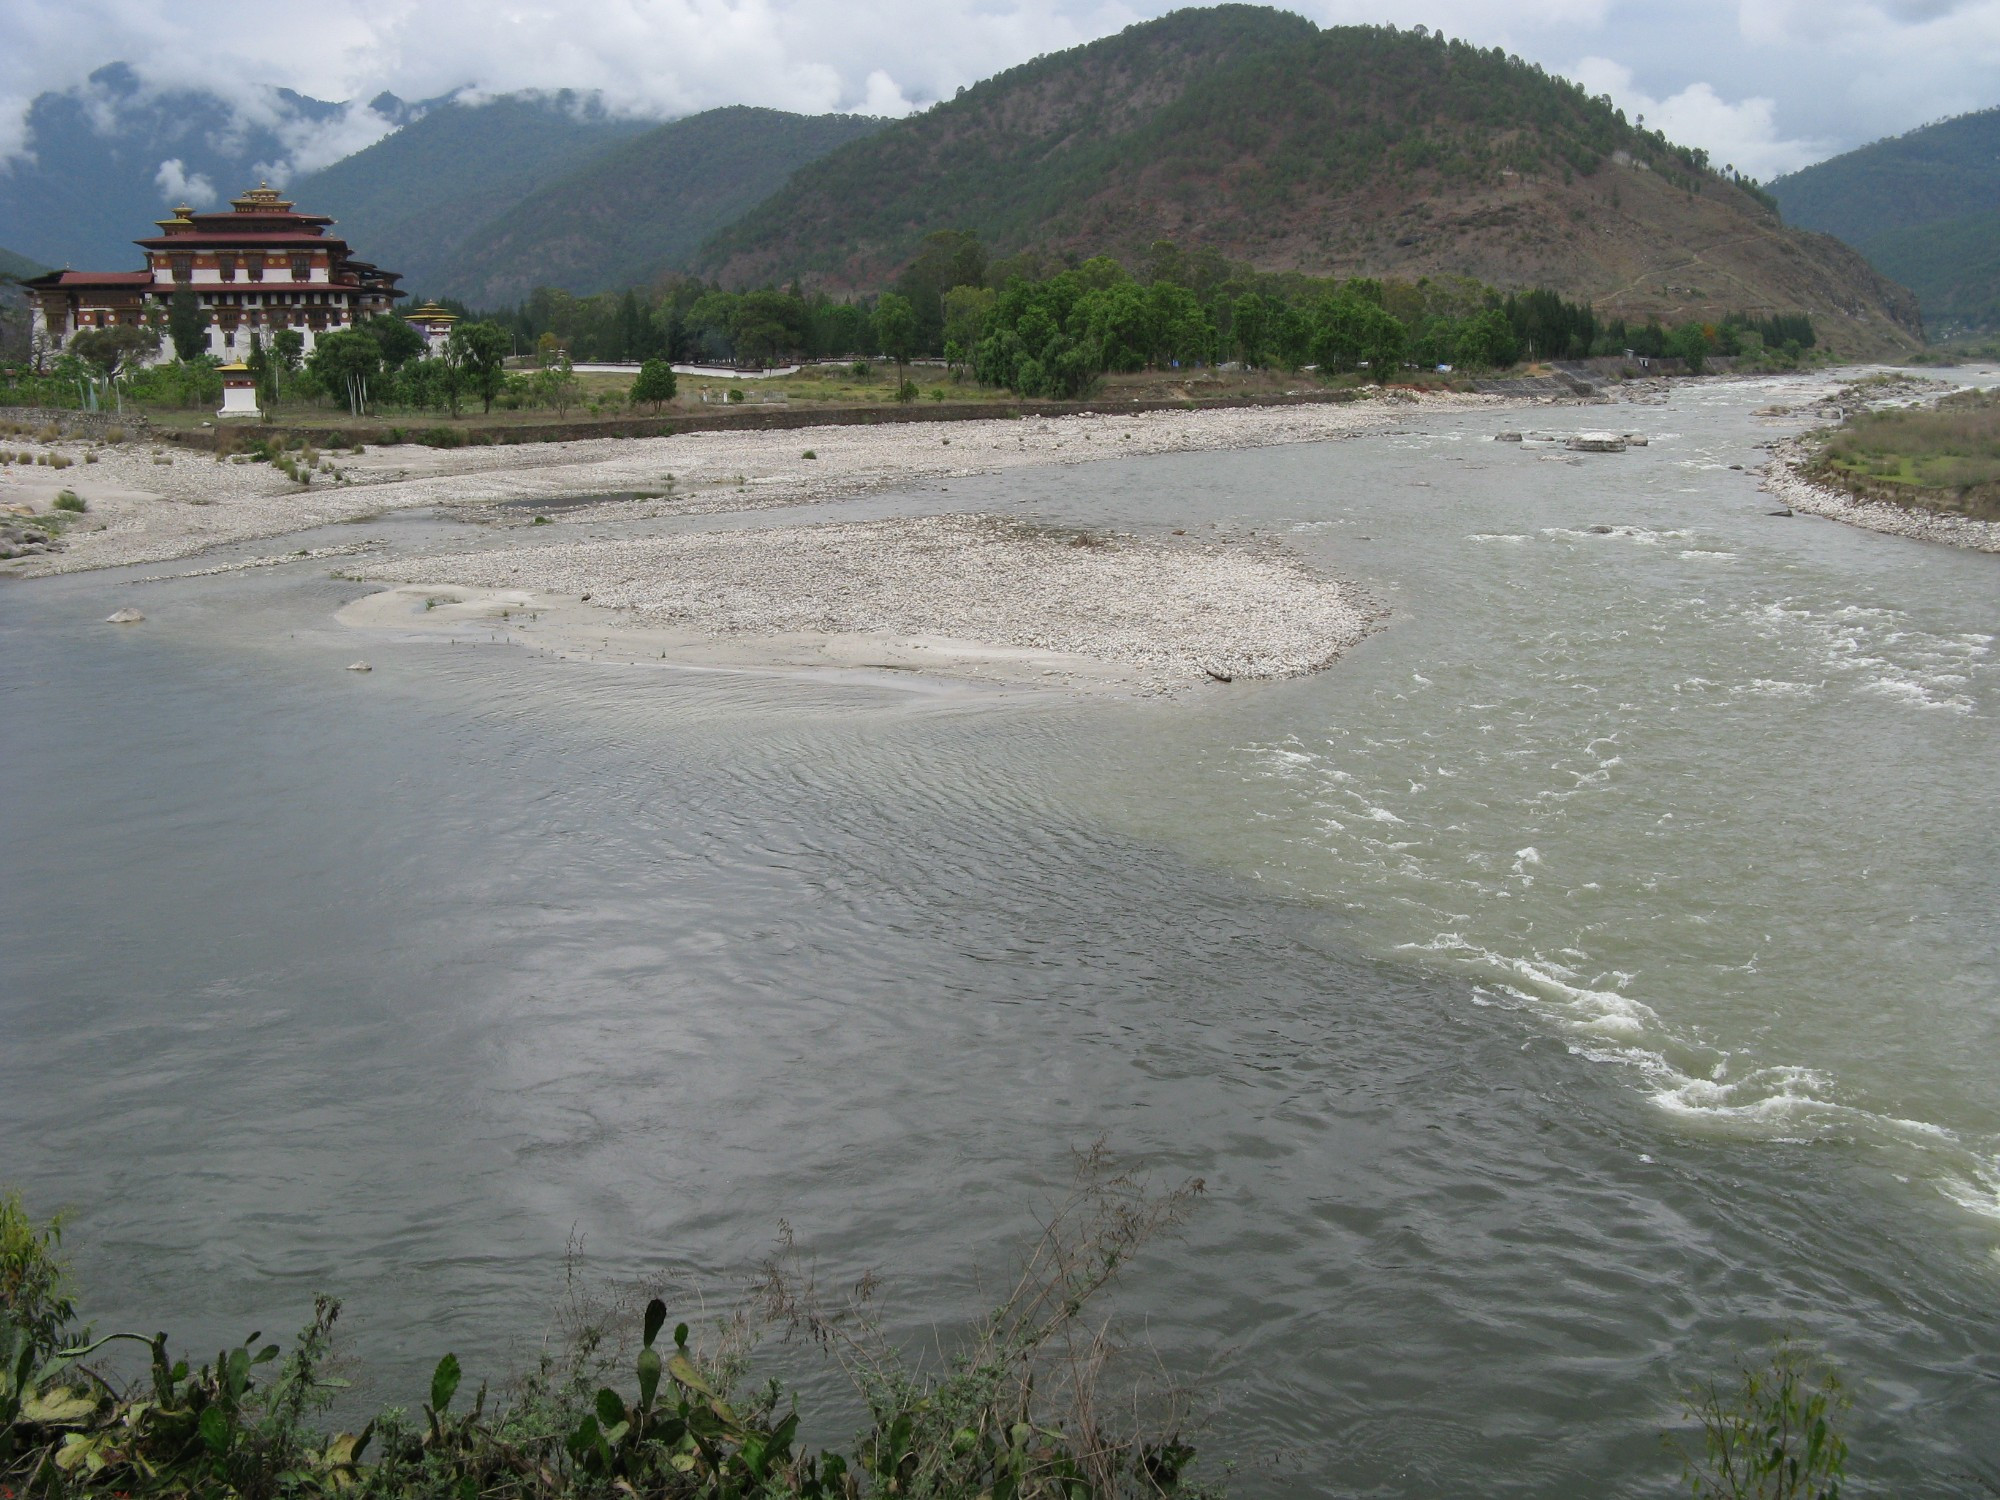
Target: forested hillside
point(1923, 207)
point(641, 207)
point(1351, 151)
point(412, 200)
point(1952, 265)
point(18, 267)
point(1945, 171)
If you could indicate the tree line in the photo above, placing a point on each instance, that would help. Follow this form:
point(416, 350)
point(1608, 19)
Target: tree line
point(1034, 323)
point(1043, 325)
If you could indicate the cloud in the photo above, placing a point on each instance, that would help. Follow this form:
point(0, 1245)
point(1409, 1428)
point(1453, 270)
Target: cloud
point(882, 97)
point(1755, 81)
point(1744, 135)
point(177, 185)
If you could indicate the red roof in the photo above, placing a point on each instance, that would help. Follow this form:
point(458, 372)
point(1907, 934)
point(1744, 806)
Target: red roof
point(91, 278)
point(256, 217)
point(198, 241)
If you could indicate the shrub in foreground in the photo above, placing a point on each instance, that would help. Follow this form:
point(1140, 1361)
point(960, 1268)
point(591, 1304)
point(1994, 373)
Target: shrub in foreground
point(1033, 1406)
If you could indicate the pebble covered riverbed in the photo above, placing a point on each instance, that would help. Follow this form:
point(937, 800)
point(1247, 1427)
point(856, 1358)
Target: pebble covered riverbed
point(151, 503)
point(1162, 612)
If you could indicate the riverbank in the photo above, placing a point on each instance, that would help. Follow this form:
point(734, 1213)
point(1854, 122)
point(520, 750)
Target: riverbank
point(155, 503)
point(1787, 479)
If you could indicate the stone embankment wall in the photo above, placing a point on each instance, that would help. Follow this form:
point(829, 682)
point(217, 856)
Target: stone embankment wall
point(75, 424)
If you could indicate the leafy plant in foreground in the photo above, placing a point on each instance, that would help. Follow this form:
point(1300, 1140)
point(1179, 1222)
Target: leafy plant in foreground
point(1772, 1437)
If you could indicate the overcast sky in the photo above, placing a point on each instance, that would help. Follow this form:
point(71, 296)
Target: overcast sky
point(1768, 85)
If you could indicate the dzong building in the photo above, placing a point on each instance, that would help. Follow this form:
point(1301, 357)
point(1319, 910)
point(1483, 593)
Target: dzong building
point(258, 268)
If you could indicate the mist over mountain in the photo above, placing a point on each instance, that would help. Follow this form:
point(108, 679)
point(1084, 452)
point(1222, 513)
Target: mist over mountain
point(109, 157)
point(1924, 207)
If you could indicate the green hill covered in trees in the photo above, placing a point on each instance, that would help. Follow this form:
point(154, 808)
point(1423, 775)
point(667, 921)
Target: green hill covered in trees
point(18, 267)
point(410, 201)
point(641, 206)
point(1923, 207)
point(1352, 151)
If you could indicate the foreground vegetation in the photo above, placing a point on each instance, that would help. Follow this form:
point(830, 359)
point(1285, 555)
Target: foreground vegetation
point(1943, 456)
point(1037, 1401)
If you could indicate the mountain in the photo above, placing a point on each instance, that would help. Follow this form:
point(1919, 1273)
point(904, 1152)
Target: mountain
point(110, 156)
point(1953, 265)
point(1923, 207)
point(1349, 151)
point(640, 207)
point(413, 200)
point(18, 267)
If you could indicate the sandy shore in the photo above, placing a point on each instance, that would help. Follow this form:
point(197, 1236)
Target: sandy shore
point(957, 596)
point(151, 504)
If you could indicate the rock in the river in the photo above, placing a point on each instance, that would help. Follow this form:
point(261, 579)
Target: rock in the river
point(1506, 437)
point(1596, 442)
point(124, 617)
point(359, 666)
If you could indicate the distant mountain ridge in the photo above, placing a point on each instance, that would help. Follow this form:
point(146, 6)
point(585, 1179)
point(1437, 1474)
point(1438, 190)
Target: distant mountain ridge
point(18, 267)
point(631, 212)
point(1924, 207)
point(413, 200)
point(1352, 151)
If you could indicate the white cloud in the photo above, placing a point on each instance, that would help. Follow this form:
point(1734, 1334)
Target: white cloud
point(177, 185)
point(882, 97)
point(1754, 81)
point(1744, 134)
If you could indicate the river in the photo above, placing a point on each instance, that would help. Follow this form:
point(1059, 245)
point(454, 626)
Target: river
point(1594, 976)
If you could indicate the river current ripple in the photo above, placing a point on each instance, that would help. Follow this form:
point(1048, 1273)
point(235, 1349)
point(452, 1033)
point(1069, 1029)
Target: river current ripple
point(1593, 976)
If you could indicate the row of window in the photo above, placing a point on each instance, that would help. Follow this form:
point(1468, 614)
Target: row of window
point(228, 262)
point(276, 299)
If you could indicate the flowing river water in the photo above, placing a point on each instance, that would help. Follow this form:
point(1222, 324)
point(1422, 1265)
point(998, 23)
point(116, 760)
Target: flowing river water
point(1594, 976)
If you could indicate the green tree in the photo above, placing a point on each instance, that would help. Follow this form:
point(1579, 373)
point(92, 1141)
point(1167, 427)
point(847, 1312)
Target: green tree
point(1486, 341)
point(656, 383)
point(476, 353)
point(764, 324)
point(263, 371)
point(109, 350)
point(896, 332)
point(343, 361)
point(555, 384)
point(1690, 343)
point(400, 343)
point(1349, 330)
point(966, 309)
point(187, 325)
point(288, 349)
point(948, 258)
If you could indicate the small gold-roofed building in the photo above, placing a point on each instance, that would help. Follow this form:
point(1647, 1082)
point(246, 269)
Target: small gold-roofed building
point(433, 322)
point(260, 267)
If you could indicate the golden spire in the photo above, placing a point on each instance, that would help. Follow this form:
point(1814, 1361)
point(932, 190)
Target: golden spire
point(262, 199)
